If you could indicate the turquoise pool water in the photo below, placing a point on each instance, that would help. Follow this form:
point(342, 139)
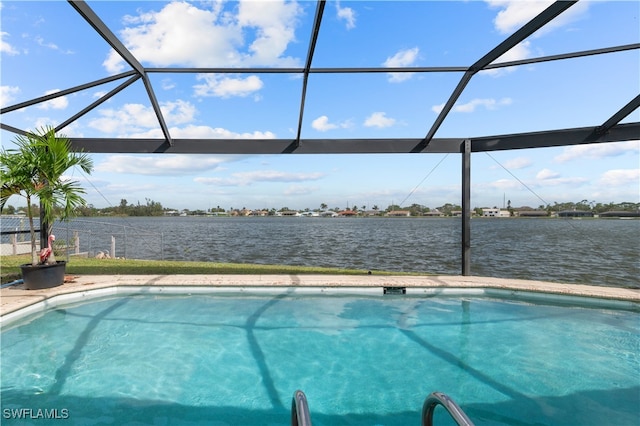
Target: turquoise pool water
point(228, 360)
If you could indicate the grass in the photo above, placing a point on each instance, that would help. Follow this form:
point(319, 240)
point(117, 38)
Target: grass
point(10, 268)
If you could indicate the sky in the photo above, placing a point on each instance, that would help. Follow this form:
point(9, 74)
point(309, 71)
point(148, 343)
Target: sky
point(47, 47)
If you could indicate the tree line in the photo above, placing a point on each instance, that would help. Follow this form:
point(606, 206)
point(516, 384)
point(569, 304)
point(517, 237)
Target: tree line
point(154, 208)
point(150, 208)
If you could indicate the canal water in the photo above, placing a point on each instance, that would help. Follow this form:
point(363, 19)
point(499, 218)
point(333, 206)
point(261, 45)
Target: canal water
point(594, 251)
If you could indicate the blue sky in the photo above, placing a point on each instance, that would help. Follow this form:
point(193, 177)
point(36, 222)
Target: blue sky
point(47, 47)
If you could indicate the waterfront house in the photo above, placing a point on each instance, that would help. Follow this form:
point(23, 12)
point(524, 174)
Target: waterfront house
point(329, 213)
point(399, 213)
point(621, 213)
point(532, 213)
point(575, 213)
point(495, 212)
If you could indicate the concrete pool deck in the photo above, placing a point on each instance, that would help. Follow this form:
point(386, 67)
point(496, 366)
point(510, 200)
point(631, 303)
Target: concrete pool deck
point(16, 297)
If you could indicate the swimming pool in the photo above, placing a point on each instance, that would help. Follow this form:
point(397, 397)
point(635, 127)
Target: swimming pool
point(360, 359)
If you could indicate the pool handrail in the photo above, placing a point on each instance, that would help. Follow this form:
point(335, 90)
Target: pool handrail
point(300, 410)
point(449, 404)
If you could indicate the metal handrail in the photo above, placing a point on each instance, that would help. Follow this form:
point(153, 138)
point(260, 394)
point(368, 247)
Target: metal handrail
point(300, 410)
point(449, 404)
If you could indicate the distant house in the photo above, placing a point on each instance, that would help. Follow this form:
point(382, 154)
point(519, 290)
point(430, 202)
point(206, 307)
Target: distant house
point(532, 213)
point(329, 213)
point(620, 214)
point(290, 213)
point(575, 213)
point(347, 213)
point(399, 213)
point(434, 213)
point(495, 212)
point(456, 213)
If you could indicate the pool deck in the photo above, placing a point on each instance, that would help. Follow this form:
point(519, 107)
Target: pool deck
point(17, 297)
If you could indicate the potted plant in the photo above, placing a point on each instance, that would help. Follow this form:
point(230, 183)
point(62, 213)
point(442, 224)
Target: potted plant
point(35, 170)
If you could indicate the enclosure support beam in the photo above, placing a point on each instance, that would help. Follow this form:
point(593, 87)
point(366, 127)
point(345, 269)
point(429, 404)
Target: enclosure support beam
point(466, 207)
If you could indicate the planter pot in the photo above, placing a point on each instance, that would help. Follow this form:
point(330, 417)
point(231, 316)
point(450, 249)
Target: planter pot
point(43, 276)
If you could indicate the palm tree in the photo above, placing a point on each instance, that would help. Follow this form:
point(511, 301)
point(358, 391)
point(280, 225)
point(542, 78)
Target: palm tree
point(36, 169)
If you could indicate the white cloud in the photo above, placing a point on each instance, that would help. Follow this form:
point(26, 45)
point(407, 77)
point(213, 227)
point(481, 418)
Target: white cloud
point(167, 84)
point(128, 119)
point(553, 182)
point(277, 176)
point(130, 188)
point(41, 122)
point(7, 94)
point(133, 118)
point(203, 132)
point(299, 190)
point(517, 163)
point(490, 104)
point(380, 120)
point(514, 14)
point(217, 181)
point(322, 124)
point(72, 131)
point(550, 178)
point(516, 53)
point(226, 87)
point(347, 14)
point(503, 184)
point(621, 177)
point(178, 112)
point(159, 165)
point(403, 58)
point(48, 45)
point(547, 174)
point(274, 23)
point(513, 187)
point(58, 103)
point(250, 34)
point(598, 151)
point(247, 178)
point(5, 47)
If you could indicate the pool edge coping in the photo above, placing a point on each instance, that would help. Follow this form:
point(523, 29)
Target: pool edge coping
point(17, 298)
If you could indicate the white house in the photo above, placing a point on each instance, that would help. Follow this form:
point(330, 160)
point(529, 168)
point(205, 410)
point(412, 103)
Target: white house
point(495, 212)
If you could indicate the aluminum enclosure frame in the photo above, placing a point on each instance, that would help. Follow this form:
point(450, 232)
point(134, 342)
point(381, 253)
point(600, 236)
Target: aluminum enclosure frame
point(609, 129)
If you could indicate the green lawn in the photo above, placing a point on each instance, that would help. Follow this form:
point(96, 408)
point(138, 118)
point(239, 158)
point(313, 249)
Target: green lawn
point(10, 268)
